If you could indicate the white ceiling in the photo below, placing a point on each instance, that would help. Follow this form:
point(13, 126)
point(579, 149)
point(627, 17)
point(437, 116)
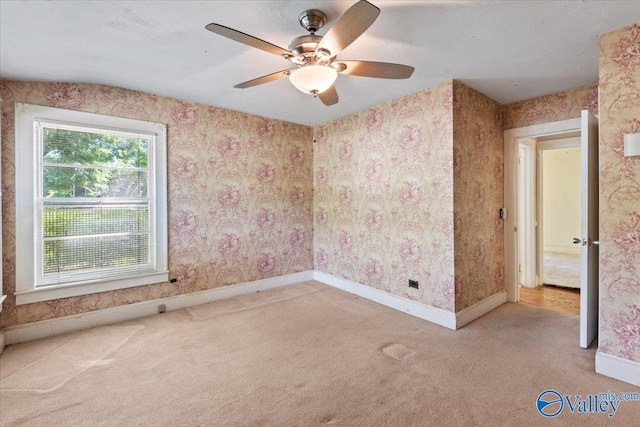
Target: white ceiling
point(509, 50)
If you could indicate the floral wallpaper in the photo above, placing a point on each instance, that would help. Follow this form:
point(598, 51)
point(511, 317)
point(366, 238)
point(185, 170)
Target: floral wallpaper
point(619, 194)
point(240, 194)
point(478, 195)
point(398, 186)
point(551, 108)
point(383, 197)
point(405, 190)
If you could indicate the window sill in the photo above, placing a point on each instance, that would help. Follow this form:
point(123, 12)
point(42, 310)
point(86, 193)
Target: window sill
point(47, 293)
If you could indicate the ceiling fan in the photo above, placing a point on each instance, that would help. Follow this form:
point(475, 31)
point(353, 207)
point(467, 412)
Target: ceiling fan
point(314, 57)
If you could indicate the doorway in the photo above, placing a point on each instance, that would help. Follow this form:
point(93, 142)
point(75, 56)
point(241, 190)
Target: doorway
point(548, 208)
point(559, 170)
point(587, 127)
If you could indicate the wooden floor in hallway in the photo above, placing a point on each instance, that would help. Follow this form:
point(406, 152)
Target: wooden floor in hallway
point(563, 300)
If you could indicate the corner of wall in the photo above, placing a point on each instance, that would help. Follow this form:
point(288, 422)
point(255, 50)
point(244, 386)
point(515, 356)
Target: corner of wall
point(383, 197)
point(478, 196)
point(479, 309)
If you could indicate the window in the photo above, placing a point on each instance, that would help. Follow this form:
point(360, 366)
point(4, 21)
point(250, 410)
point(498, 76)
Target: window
point(90, 203)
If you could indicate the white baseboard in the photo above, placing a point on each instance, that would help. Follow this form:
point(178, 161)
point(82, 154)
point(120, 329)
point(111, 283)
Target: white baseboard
point(618, 368)
point(45, 328)
point(422, 311)
point(481, 308)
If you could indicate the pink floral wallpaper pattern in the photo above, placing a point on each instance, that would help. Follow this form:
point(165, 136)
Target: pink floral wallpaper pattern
point(395, 190)
point(619, 194)
point(397, 187)
point(240, 194)
point(478, 195)
point(383, 201)
point(551, 108)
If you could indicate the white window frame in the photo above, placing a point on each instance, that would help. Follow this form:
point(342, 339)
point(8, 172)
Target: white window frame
point(26, 149)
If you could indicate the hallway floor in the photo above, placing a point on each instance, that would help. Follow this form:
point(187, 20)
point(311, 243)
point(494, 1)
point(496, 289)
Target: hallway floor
point(553, 298)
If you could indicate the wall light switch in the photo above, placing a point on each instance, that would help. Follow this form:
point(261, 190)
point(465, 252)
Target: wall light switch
point(632, 144)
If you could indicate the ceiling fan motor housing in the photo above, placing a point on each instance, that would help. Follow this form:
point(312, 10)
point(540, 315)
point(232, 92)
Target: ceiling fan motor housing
point(304, 44)
point(312, 20)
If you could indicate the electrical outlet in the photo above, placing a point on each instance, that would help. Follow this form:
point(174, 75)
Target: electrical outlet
point(162, 308)
point(413, 284)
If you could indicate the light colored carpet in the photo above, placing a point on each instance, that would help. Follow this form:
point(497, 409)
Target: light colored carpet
point(307, 355)
point(50, 370)
point(251, 301)
point(561, 269)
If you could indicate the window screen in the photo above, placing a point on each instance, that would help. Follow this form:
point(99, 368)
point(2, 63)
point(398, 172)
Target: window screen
point(94, 203)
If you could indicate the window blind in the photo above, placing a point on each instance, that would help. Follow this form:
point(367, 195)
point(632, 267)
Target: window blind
point(94, 203)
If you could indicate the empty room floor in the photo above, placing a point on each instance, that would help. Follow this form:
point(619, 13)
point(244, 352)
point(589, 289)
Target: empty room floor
point(304, 355)
point(561, 269)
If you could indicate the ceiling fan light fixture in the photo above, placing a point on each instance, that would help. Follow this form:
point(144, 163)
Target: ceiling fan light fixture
point(313, 78)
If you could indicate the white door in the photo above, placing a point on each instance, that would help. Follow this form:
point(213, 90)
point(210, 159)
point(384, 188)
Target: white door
point(589, 229)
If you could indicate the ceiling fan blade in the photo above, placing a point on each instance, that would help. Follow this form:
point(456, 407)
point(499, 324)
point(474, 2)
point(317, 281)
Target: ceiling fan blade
point(348, 27)
point(247, 39)
point(329, 96)
point(381, 70)
point(265, 79)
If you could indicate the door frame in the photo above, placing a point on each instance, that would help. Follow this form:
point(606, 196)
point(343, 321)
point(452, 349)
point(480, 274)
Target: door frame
point(526, 192)
point(511, 144)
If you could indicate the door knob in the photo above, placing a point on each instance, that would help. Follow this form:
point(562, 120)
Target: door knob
point(576, 241)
